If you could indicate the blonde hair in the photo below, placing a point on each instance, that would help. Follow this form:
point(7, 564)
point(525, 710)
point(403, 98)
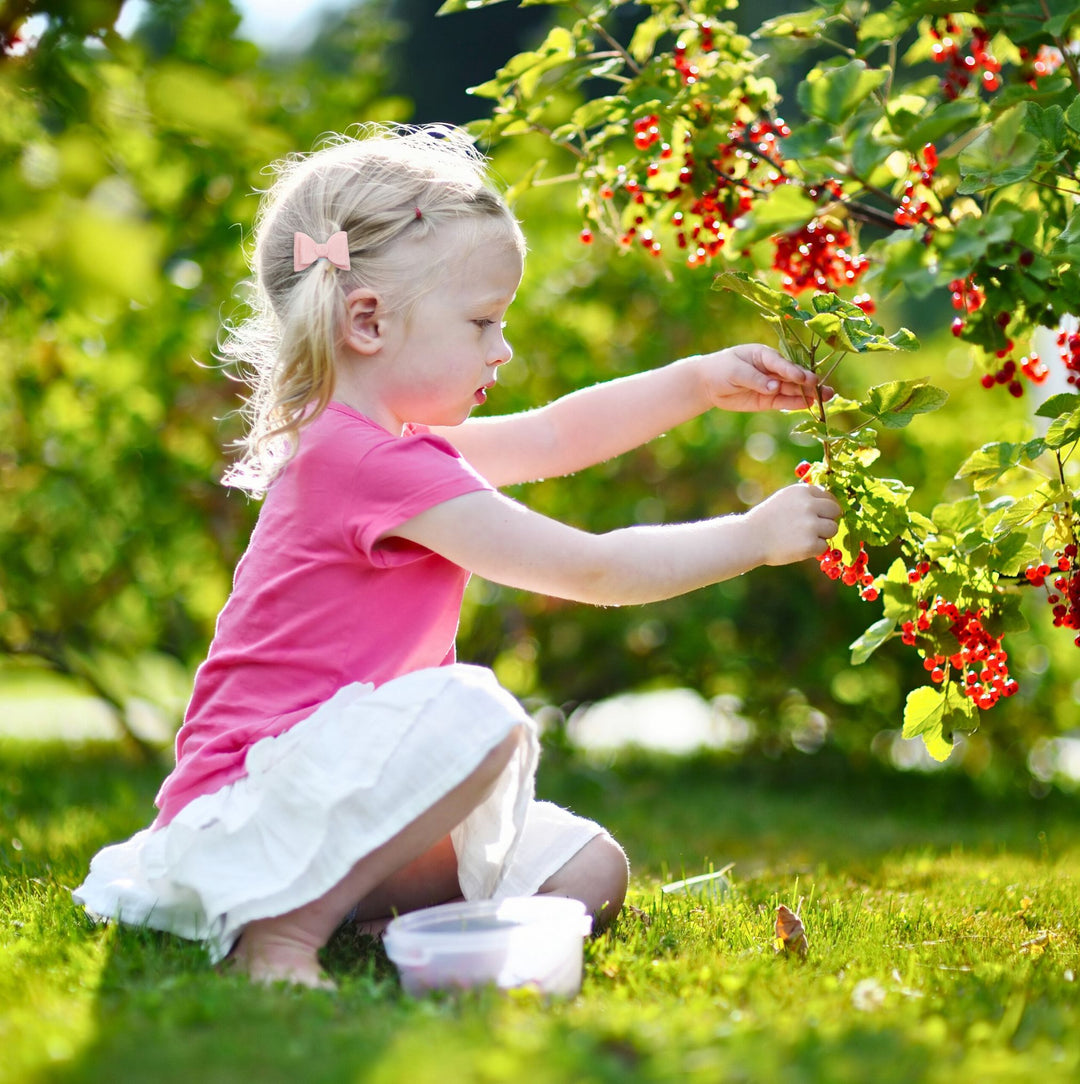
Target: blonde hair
point(384, 186)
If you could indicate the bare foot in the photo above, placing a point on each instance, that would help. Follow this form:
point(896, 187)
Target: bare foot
point(271, 961)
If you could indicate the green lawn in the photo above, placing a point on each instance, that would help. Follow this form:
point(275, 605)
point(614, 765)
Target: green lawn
point(943, 927)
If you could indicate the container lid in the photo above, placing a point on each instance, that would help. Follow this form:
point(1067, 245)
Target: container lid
point(486, 923)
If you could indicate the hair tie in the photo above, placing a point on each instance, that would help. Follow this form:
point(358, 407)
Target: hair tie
point(418, 214)
point(306, 251)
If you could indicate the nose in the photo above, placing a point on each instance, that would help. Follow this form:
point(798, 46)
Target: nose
point(501, 352)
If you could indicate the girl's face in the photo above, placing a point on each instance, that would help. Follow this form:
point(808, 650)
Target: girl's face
point(438, 362)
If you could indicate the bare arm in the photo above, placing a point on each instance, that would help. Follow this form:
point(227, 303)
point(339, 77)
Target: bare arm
point(503, 541)
point(605, 420)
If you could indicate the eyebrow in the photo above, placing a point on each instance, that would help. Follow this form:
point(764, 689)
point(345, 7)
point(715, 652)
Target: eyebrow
point(494, 300)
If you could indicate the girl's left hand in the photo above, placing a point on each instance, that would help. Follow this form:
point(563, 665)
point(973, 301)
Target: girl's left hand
point(757, 377)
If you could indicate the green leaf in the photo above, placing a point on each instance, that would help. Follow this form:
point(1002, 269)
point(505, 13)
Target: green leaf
point(882, 508)
point(1066, 401)
point(883, 26)
point(868, 154)
point(600, 110)
point(833, 94)
point(933, 713)
point(1064, 430)
point(646, 34)
point(871, 640)
point(898, 596)
point(786, 208)
point(1003, 154)
point(1072, 114)
point(956, 517)
point(972, 237)
point(1027, 512)
point(451, 6)
point(894, 404)
point(808, 140)
point(1012, 554)
point(904, 262)
point(986, 465)
point(1048, 127)
point(525, 181)
point(944, 119)
point(528, 68)
point(800, 24)
point(774, 302)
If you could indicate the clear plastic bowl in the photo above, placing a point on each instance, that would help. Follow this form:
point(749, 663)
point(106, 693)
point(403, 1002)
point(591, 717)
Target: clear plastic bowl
point(533, 941)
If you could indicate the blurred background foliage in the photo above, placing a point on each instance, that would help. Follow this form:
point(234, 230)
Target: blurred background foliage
point(127, 169)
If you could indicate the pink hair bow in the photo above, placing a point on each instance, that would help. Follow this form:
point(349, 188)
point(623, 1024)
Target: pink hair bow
point(306, 251)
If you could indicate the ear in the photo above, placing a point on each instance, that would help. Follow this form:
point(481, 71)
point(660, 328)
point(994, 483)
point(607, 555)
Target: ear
point(364, 321)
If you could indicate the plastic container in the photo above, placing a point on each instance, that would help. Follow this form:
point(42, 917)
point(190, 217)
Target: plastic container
point(533, 941)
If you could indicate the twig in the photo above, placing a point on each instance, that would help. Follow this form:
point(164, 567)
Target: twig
point(1066, 55)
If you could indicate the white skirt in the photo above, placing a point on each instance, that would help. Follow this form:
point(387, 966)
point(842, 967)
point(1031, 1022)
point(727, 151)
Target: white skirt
point(327, 792)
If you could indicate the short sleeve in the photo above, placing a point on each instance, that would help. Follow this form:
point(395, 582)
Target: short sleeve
point(400, 478)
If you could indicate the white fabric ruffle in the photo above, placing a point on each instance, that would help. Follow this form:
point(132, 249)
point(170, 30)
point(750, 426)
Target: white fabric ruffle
point(327, 792)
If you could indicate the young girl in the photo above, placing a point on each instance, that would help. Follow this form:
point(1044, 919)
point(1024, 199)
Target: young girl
point(335, 761)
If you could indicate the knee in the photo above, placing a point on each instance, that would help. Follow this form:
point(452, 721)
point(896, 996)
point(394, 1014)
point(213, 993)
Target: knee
point(611, 872)
point(598, 876)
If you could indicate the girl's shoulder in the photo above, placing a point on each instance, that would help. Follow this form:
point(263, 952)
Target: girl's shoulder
point(342, 440)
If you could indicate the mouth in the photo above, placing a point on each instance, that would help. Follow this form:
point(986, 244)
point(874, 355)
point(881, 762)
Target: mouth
point(481, 393)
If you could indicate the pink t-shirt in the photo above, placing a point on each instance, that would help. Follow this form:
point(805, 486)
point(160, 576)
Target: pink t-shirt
point(317, 601)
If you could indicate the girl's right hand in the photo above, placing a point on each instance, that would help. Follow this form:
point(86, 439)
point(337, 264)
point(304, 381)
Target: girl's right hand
point(794, 523)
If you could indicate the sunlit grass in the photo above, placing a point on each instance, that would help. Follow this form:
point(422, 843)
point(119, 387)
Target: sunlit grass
point(942, 925)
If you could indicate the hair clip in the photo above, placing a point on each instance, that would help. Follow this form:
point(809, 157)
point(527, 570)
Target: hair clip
point(306, 251)
point(418, 214)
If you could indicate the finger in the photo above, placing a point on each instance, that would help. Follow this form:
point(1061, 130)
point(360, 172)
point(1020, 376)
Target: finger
point(773, 362)
point(788, 402)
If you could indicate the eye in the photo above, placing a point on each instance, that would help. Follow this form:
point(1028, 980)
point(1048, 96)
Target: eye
point(484, 324)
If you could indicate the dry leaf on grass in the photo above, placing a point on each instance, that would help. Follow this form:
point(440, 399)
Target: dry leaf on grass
point(642, 916)
point(1043, 940)
point(790, 932)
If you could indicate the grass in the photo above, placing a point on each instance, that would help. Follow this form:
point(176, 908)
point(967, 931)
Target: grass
point(943, 928)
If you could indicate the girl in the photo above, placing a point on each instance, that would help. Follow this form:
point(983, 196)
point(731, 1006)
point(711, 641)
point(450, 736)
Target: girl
point(335, 760)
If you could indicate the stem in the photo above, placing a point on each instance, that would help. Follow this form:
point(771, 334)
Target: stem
point(596, 25)
point(824, 419)
point(563, 178)
point(1070, 60)
point(832, 369)
point(741, 184)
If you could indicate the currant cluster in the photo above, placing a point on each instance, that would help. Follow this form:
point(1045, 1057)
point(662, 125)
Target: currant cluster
point(1069, 351)
point(683, 61)
point(1045, 62)
point(712, 189)
point(853, 575)
point(966, 297)
point(646, 131)
point(914, 206)
point(980, 660)
point(1031, 366)
point(757, 139)
point(1064, 596)
point(962, 66)
point(817, 257)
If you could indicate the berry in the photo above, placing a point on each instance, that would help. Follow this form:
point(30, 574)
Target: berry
point(802, 469)
point(853, 575)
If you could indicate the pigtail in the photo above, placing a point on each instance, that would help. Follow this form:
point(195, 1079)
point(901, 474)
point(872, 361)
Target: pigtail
point(300, 383)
